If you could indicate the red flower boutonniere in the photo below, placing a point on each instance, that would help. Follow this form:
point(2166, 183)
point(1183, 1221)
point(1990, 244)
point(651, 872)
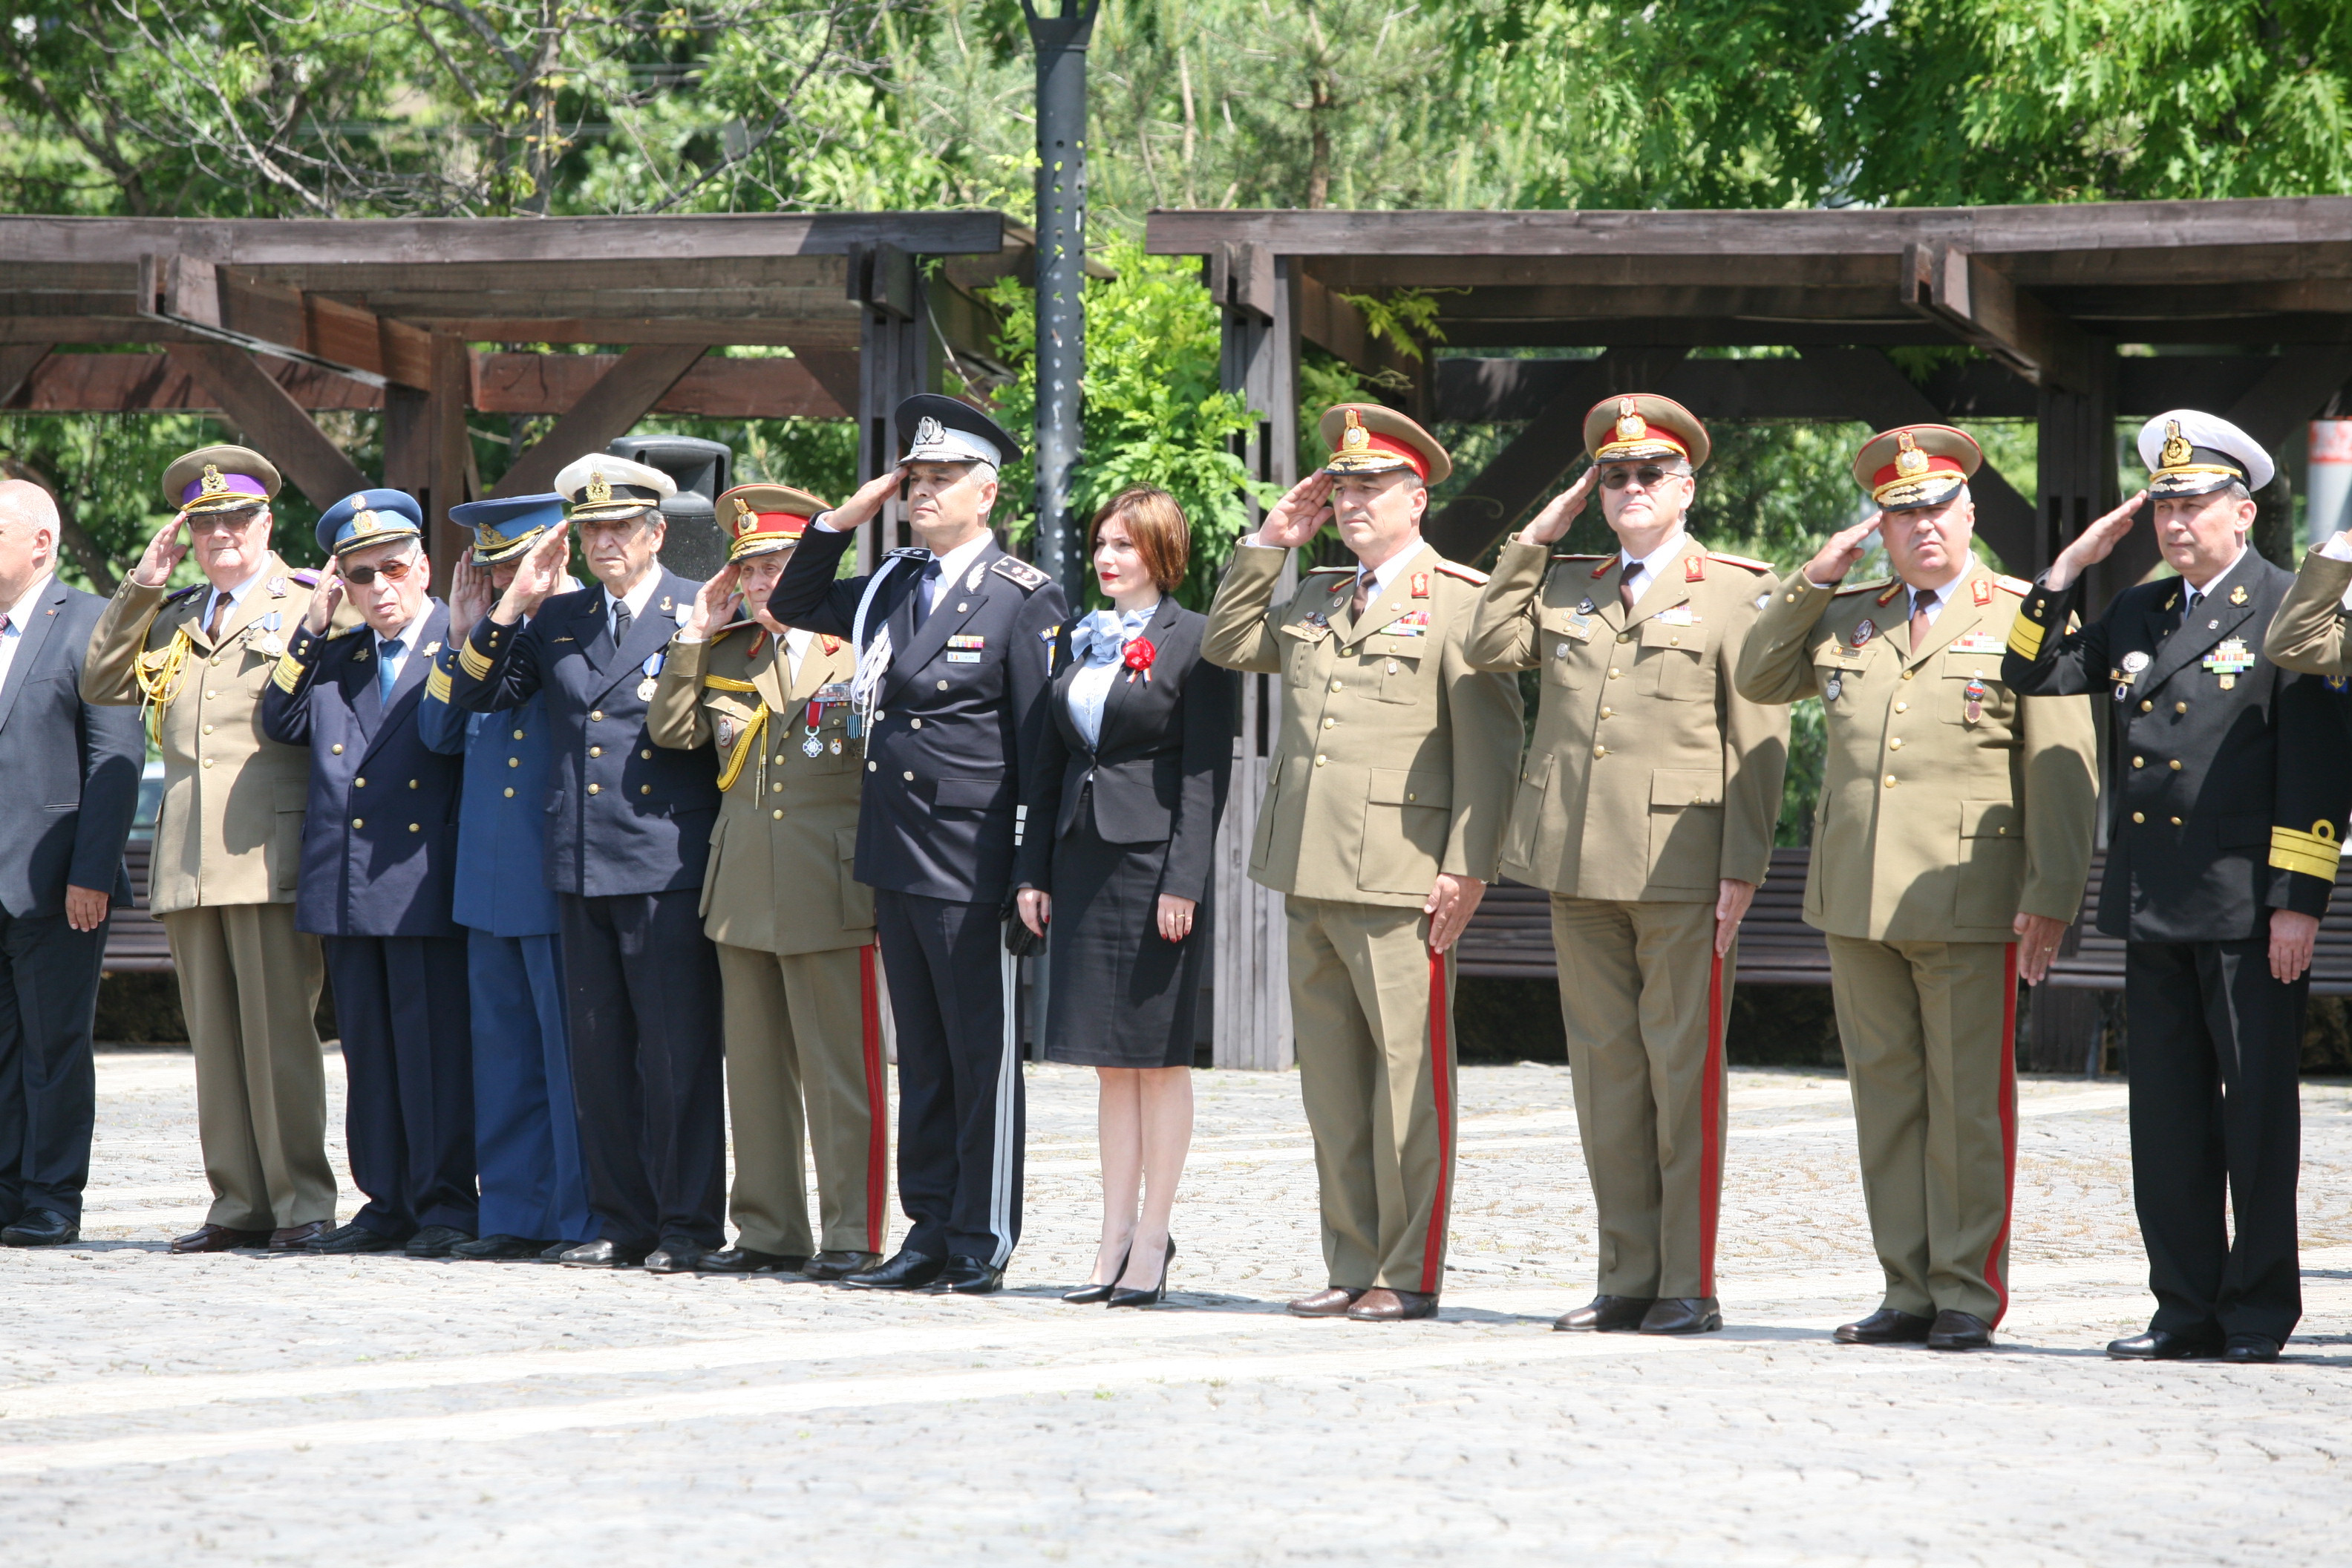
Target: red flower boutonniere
point(1138, 657)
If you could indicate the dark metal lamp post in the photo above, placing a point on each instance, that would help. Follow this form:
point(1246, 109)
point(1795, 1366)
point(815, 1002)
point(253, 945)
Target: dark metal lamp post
point(1061, 45)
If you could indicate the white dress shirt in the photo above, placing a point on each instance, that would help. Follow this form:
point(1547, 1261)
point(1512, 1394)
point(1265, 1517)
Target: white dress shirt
point(14, 637)
point(227, 599)
point(796, 643)
point(1655, 561)
point(952, 566)
point(2197, 590)
point(636, 598)
point(392, 664)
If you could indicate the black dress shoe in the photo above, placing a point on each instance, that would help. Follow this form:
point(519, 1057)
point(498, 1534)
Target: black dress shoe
point(350, 1239)
point(501, 1248)
point(907, 1271)
point(2167, 1344)
point(2250, 1349)
point(555, 1251)
point(1382, 1305)
point(1605, 1314)
point(210, 1238)
point(436, 1241)
point(1683, 1315)
point(40, 1227)
point(747, 1260)
point(1959, 1331)
point(1887, 1326)
point(839, 1265)
point(967, 1277)
point(1151, 1298)
point(603, 1255)
point(675, 1254)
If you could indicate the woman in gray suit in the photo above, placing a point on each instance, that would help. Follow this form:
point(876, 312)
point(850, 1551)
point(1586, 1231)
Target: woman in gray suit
point(1133, 775)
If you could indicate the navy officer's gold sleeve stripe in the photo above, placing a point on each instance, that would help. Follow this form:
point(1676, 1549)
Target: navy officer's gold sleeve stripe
point(2314, 853)
point(288, 674)
point(2025, 636)
point(436, 685)
point(474, 661)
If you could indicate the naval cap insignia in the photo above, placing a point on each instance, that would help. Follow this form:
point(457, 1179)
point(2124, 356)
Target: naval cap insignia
point(2176, 449)
point(600, 488)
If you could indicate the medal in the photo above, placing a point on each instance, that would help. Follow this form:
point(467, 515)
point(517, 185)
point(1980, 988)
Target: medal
point(1833, 687)
point(1975, 693)
point(645, 692)
point(811, 746)
point(652, 667)
point(1863, 630)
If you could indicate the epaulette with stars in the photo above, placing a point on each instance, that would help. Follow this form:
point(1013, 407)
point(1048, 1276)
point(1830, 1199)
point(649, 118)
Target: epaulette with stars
point(1020, 574)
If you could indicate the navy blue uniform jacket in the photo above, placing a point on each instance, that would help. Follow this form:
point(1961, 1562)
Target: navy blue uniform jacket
point(954, 746)
point(502, 817)
point(622, 814)
point(2215, 775)
point(68, 770)
point(379, 839)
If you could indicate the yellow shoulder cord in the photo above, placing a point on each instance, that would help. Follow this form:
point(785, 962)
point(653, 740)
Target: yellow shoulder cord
point(158, 672)
point(749, 741)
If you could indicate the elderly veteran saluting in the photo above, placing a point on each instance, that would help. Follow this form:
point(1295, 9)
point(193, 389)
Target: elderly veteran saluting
point(628, 829)
point(950, 694)
point(794, 926)
point(1646, 806)
point(2229, 778)
point(1382, 824)
point(1949, 852)
point(526, 1134)
point(228, 842)
point(379, 851)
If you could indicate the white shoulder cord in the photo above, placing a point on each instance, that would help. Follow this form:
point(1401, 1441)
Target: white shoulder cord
point(874, 662)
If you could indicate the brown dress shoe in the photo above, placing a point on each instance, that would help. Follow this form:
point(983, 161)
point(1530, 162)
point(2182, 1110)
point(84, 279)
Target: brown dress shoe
point(219, 1238)
point(1381, 1305)
point(291, 1237)
point(1332, 1302)
point(1605, 1315)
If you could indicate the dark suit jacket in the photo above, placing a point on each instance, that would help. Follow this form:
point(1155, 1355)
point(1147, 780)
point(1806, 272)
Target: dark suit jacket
point(624, 815)
point(68, 771)
point(955, 741)
point(1159, 771)
point(380, 834)
point(2208, 769)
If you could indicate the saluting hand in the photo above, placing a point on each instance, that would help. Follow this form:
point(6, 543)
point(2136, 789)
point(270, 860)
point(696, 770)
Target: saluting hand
point(325, 597)
point(2094, 545)
point(163, 553)
point(1562, 509)
point(716, 604)
point(470, 596)
point(540, 573)
point(2037, 944)
point(1298, 516)
point(1449, 907)
point(1844, 547)
point(868, 503)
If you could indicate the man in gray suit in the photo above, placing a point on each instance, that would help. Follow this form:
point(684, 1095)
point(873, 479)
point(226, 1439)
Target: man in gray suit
point(69, 786)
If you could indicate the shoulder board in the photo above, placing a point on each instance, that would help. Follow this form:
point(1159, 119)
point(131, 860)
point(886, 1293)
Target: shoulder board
point(1863, 587)
point(309, 579)
point(1020, 574)
point(731, 626)
point(1561, 557)
point(1320, 571)
point(1739, 561)
point(176, 594)
point(1468, 574)
point(907, 553)
point(344, 632)
point(2012, 586)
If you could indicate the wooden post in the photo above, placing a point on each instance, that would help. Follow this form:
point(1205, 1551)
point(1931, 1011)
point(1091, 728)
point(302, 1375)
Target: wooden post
point(1257, 300)
point(893, 363)
point(2077, 482)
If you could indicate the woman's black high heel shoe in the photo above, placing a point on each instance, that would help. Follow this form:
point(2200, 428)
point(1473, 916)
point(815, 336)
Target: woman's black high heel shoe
point(1087, 1295)
point(1152, 1296)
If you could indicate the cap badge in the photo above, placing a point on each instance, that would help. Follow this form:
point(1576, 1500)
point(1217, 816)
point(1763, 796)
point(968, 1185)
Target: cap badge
point(2176, 449)
point(745, 520)
point(213, 482)
point(600, 488)
point(1909, 461)
point(1355, 439)
point(363, 522)
point(928, 432)
point(1631, 425)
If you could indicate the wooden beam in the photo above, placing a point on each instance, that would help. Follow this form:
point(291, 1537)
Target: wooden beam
point(610, 407)
point(1979, 302)
point(17, 363)
point(454, 478)
point(714, 388)
point(272, 423)
point(2295, 389)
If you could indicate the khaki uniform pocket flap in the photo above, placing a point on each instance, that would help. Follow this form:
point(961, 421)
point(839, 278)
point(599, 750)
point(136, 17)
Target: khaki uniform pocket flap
point(1991, 819)
point(1404, 786)
point(1656, 632)
point(1686, 786)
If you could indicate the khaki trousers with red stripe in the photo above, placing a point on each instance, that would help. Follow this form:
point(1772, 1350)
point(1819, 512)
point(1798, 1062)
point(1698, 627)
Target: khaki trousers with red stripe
point(1929, 1030)
point(1645, 1050)
point(804, 1027)
point(1376, 1072)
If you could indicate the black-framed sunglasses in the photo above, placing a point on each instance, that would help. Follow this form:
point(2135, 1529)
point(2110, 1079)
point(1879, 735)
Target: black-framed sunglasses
point(390, 571)
point(1649, 477)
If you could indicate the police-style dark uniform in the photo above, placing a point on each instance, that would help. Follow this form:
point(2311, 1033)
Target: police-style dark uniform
point(955, 716)
point(2229, 780)
point(627, 828)
point(379, 849)
point(525, 1133)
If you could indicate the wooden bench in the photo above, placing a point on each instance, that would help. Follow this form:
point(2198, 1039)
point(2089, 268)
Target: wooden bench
point(135, 943)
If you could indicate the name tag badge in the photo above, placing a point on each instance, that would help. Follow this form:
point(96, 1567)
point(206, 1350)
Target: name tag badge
point(958, 657)
point(1978, 642)
point(1680, 615)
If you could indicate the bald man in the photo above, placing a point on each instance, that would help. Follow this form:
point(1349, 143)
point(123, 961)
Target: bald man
point(69, 786)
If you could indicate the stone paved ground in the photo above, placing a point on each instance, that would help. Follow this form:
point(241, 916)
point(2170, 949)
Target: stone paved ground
point(240, 1409)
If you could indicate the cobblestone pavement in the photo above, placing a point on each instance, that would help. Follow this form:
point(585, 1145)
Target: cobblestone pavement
point(244, 1409)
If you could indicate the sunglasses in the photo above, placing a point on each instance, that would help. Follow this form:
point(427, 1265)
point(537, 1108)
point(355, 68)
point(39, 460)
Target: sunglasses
point(1648, 478)
point(390, 572)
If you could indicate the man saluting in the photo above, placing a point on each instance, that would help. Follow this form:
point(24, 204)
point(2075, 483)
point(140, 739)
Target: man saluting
point(951, 642)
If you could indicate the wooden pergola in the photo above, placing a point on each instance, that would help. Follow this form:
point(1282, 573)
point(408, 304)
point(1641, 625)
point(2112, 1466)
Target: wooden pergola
point(2084, 314)
point(270, 321)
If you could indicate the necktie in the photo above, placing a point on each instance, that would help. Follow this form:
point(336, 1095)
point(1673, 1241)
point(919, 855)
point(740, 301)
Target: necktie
point(220, 613)
point(926, 586)
point(1626, 589)
point(1364, 585)
point(1920, 625)
point(387, 667)
point(620, 622)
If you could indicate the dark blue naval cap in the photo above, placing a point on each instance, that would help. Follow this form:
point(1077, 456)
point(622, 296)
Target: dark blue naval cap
point(506, 526)
point(370, 517)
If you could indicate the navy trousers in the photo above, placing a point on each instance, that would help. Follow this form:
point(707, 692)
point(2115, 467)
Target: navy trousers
point(2215, 1050)
point(648, 1065)
point(526, 1134)
point(49, 990)
point(962, 1113)
point(401, 1004)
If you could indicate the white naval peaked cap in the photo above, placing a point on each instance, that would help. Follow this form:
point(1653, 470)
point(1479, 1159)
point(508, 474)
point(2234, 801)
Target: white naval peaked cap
point(2189, 452)
point(600, 485)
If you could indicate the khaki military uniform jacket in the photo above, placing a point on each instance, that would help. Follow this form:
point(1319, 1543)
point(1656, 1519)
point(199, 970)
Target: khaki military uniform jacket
point(1651, 777)
point(783, 850)
point(1395, 759)
point(1948, 804)
point(2307, 633)
point(230, 831)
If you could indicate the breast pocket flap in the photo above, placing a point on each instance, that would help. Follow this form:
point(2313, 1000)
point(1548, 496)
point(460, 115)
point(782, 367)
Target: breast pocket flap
point(1665, 634)
point(1686, 786)
point(1991, 819)
point(1406, 787)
